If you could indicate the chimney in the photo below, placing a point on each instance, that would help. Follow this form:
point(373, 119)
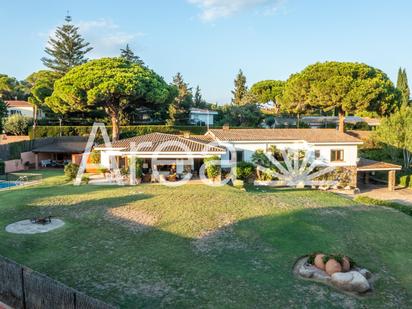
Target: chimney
point(226, 127)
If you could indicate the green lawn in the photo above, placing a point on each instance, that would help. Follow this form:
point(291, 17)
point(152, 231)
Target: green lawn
point(197, 246)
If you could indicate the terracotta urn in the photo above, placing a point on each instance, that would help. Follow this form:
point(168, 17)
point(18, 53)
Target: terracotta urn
point(332, 266)
point(318, 262)
point(345, 264)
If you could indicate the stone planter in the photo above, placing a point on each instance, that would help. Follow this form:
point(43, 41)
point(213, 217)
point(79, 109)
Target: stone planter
point(358, 281)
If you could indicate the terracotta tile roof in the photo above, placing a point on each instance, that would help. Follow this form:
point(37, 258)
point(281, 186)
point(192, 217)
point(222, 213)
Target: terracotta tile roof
point(18, 103)
point(371, 165)
point(7, 139)
point(308, 135)
point(171, 143)
point(63, 144)
point(203, 111)
point(363, 135)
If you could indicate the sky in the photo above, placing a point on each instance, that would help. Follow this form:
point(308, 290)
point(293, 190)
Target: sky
point(208, 41)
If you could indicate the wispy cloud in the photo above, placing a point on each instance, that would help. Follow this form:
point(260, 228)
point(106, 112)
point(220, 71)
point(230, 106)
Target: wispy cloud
point(105, 36)
point(214, 9)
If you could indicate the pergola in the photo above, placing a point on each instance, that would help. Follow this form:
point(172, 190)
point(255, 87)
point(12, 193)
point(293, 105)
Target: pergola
point(60, 148)
point(367, 166)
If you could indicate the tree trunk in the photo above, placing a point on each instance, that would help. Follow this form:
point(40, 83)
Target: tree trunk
point(115, 126)
point(35, 113)
point(341, 121)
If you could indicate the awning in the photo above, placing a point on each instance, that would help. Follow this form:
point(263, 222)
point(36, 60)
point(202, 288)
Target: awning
point(65, 144)
point(366, 165)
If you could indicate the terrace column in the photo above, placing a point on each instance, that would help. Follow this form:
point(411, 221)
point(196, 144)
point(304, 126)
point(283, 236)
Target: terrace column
point(36, 160)
point(391, 180)
point(366, 177)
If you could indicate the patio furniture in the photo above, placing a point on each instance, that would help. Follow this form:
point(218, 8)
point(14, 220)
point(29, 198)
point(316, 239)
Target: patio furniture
point(147, 178)
point(46, 163)
point(172, 177)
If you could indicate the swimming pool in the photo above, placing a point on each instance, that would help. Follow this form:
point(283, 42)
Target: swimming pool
point(7, 184)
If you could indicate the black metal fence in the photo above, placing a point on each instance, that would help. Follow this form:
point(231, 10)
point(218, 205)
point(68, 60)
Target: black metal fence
point(21, 287)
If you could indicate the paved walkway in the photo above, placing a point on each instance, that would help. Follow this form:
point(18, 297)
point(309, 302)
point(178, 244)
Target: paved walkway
point(381, 192)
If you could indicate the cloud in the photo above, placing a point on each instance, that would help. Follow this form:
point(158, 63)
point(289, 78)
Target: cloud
point(105, 36)
point(214, 9)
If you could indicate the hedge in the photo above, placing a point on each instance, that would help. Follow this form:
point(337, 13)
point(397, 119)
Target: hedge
point(126, 131)
point(405, 180)
point(371, 201)
point(2, 168)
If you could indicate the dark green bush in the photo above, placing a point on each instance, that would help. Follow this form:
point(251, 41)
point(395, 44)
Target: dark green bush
point(70, 171)
point(2, 168)
point(244, 170)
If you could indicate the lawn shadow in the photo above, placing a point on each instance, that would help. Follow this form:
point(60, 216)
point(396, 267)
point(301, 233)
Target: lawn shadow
point(250, 258)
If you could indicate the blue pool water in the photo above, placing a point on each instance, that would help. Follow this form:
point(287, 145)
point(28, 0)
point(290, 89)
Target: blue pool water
point(7, 184)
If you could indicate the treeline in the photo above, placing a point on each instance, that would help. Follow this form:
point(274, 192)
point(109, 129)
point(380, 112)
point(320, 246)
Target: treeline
point(118, 90)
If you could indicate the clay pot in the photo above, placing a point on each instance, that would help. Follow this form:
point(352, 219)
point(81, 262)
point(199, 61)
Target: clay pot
point(318, 262)
point(345, 264)
point(332, 266)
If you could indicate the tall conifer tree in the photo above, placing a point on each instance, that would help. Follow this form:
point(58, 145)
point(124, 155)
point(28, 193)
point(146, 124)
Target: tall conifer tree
point(128, 54)
point(66, 48)
point(240, 90)
point(403, 87)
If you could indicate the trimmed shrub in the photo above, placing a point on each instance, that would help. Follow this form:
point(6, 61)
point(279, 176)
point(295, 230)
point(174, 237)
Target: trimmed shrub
point(371, 201)
point(212, 170)
point(405, 180)
point(70, 171)
point(125, 131)
point(244, 170)
point(17, 125)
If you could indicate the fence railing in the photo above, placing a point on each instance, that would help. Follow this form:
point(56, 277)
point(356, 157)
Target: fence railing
point(24, 288)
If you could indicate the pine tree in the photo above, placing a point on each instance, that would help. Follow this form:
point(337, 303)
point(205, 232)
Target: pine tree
point(180, 108)
point(67, 49)
point(198, 99)
point(129, 55)
point(403, 87)
point(240, 88)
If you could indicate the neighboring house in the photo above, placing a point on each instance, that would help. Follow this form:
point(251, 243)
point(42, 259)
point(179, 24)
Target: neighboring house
point(23, 108)
point(328, 145)
point(323, 121)
point(202, 116)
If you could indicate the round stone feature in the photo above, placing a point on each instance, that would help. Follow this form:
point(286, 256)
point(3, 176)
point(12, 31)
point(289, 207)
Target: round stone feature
point(27, 227)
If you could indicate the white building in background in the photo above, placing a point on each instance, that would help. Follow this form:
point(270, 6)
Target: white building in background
point(23, 108)
point(202, 116)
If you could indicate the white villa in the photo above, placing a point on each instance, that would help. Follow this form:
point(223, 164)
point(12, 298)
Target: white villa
point(329, 145)
point(23, 108)
point(202, 116)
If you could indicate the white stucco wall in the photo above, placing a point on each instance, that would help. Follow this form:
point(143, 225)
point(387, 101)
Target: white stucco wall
point(350, 151)
point(248, 148)
point(24, 111)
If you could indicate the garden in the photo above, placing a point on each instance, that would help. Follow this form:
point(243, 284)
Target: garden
point(195, 245)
